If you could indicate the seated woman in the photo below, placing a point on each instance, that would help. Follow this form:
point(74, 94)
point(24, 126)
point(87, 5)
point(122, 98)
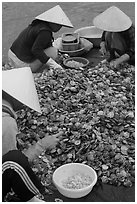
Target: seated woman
point(118, 37)
point(18, 90)
point(33, 47)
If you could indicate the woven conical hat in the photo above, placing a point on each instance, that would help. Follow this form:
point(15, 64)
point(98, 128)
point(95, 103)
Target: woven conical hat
point(112, 20)
point(19, 83)
point(55, 15)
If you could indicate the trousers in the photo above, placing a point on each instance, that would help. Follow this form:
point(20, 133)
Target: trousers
point(18, 175)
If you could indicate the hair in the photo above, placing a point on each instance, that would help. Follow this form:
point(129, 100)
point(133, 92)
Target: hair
point(16, 105)
point(37, 21)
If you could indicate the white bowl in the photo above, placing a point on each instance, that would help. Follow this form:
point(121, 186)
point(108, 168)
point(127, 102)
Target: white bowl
point(91, 33)
point(68, 170)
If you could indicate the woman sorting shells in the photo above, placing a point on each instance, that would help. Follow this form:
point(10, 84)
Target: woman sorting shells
point(18, 90)
point(118, 38)
point(33, 47)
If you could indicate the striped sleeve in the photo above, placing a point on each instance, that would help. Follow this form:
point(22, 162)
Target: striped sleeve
point(22, 173)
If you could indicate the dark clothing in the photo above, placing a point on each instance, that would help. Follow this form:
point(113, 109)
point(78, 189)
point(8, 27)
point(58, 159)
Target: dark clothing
point(17, 174)
point(32, 42)
point(128, 38)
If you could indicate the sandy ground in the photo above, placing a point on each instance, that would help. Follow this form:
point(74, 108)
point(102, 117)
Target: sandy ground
point(17, 15)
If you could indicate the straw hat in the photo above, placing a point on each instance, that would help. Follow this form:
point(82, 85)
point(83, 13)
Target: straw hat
point(55, 15)
point(112, 20)
point(19, 83)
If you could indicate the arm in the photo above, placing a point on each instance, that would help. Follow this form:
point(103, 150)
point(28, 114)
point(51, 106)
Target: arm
point(48, 142)
point(102, 45)
point(33, 151)
point(118, 61)
point(42, 42)
point(131, 38)
point(123, 58)
point(9, 132)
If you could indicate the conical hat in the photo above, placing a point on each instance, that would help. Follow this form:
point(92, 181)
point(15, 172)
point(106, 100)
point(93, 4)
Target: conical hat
point(112, 20)
point(55, 15)
point(19, 83)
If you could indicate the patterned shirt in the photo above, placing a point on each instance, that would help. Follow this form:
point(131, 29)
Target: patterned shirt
point(129, 37)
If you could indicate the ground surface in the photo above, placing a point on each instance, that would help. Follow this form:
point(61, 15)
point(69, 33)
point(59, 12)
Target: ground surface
point(17, 15)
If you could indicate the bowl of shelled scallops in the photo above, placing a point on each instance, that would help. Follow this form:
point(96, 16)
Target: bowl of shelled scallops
point(75, 62)
point(74, 180)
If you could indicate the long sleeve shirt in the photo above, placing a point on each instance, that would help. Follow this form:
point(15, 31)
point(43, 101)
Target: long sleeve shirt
point(32, 42)
point(129, 37)
point(10, 131)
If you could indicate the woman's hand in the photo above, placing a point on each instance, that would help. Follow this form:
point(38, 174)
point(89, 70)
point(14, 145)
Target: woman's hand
point(52, 64)
point(118, 61)
point(102, 48)
point(114, 63)
point(50, 141)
